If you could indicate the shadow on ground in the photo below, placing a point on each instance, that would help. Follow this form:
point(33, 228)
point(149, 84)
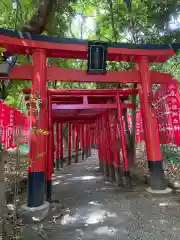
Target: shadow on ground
point(91, 208)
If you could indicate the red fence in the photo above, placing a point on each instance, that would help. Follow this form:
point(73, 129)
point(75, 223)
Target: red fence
point(139, 126)
point(167, 101)
point(168, 112)
point(11, 121)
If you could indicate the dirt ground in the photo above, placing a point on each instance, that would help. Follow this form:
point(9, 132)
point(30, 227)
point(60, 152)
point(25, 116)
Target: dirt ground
point(91, 208)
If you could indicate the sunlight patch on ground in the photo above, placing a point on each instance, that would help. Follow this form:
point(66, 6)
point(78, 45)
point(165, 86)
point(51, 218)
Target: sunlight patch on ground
point(91, 168)
point(104, 189)
point(88, 217)
point(67, 219)
point(54, 177)
point(96, 204)
point(168, 203)
point(162, 221)
point(106, 230)
point(11, 207)
point(164, 204)
point(80, 232)
point(99, 216)
point(56, 182)
point(84, 178)
point(88, 178)
point(95, 217)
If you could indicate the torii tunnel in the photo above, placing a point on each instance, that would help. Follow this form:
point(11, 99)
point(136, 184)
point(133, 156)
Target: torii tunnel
point(96, 115)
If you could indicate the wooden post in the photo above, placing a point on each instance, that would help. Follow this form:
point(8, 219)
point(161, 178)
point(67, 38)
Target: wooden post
point(69, 143)
point(152, 139)
point(36, 173)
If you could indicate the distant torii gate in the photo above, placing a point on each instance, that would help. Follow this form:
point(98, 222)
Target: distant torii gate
point(42, 47)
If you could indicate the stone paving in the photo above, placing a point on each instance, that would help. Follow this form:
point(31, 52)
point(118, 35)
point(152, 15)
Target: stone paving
point(95, 209)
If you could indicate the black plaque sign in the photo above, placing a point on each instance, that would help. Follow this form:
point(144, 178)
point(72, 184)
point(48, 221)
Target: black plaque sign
point(97, 54)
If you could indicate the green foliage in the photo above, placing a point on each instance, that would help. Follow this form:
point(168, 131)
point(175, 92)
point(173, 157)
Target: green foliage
point(15, 15)
point(173, 66)
point(15, 96)
point(171, 153)
point(2, 50)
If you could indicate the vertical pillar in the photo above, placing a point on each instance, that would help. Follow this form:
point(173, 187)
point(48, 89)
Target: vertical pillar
point(73, 137)
point(76, 142)
point(2, 192)
point(57, 145)
point(82, 140)
point(126, 178)
point(61, 145)
point(93, 139)
point(150, 123)
point(102, 146)
point(50, 159)
point(86, 141)
point(116, 151)
point(98, 141)
point(53, 145)
point(90, 141)
point(105, 149)
point(118, 169)
point(69, 143)
point(36, 173)
point(110, 150)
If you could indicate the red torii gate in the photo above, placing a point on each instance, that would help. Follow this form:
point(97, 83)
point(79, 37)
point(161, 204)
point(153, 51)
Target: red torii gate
point(87, 108)
point(42, 47)
point(82, 107)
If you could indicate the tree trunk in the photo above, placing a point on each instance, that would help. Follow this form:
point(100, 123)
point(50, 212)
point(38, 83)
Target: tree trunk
point(40, 18)
point(36, 25)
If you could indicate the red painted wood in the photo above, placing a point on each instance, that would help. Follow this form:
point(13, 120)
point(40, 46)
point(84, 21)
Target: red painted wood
point(82, 137)
point(151, 130)
point(39, 89)
point(76, 137)
point(49, 164)
point(90, 92)
point(122, 135)
point(116, 152)
point(73, 136)
point(61, 140)
point(109, 142)
point(57, 140)
point(25, 72)
point(74, 119)
point(85, 138)
point(90, 106)
point(91, 98)
point(80, 92)
point(104, 141)
point(76, 75)
point(69, 142)
point(79, 51)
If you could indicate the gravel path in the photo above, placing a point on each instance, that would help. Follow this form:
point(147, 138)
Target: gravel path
point(94, 209)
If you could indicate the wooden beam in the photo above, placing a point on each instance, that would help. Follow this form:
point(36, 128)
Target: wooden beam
point(25, 72)
point(90, 106)
point(24, 43)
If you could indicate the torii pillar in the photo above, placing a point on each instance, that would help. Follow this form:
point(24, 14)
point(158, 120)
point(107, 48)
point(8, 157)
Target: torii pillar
point(151, 130)
point(38, 140)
